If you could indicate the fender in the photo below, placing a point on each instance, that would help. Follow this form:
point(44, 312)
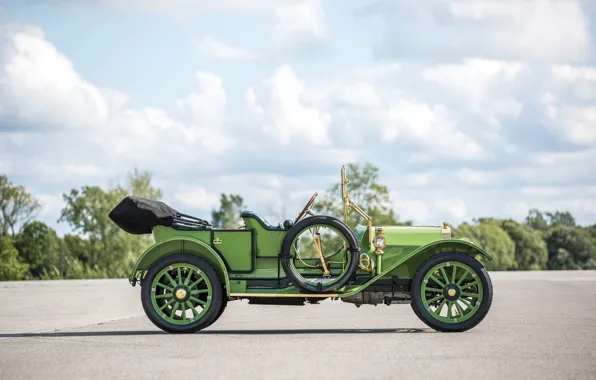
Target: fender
point(186, 245)
point(423, 253)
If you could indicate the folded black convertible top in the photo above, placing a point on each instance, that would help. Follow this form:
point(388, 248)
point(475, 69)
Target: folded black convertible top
point(137, 215)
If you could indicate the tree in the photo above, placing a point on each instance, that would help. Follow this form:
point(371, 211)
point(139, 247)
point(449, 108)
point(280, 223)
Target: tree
point(569, 249)
point(560, 218)
point(111, 249)
point(536, 220)
point(365, 190)
point(40, 247)
point(530, 249)
point(228, 214)
point(11, 268)
point(17, 206)
point(490, 236)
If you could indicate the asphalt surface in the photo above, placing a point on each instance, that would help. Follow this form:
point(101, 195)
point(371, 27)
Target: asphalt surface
point(541, 326)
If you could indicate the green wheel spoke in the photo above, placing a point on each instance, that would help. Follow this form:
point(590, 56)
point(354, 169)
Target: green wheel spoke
point(197, 282)
point(164, 286)
point(435, 299)
point(458, 283)
point(464, 279)
point(166, 304)
point(191, 307)
point(466, 302)
point(174, 310)
point(188, 278)
point(193, 292)
point(460, 311)
point(469, 284)
point(183, 308)
point(444, 275)
point(198, 301)
point(174, 284)
point(438, 310)
point(473, 295)
point(437, 281)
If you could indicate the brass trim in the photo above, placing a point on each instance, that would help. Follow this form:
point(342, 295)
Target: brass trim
point(305, 295)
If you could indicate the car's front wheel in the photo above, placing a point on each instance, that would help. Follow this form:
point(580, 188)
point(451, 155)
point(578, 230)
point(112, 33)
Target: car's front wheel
point(181, 294)
point(451, 292)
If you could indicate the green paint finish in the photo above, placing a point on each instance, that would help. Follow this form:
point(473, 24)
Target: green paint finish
point(253, 252)
point(451, 292)
point(170, 244)
point(407, 261)
point(411, 236)
point(236, 247)
point(181, 294)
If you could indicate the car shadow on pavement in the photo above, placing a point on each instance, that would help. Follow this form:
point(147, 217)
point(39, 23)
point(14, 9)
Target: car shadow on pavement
point(58, 334)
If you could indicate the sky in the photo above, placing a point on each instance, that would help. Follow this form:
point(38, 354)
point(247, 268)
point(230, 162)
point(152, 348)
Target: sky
point(469, 108)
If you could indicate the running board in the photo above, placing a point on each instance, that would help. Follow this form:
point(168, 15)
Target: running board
point(297, 295)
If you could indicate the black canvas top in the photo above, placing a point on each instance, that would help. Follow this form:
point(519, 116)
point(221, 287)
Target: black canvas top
point(137, 216)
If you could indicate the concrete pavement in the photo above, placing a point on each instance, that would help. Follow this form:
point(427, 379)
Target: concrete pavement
point(542, 326)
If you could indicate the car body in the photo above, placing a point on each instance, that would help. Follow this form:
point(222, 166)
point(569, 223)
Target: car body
point(278, 264)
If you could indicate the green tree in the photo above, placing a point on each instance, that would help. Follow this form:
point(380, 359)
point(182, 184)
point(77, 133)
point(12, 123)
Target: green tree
point(366, 191)
point(560, 218)
point(40, 247)
point(11, 268)
point(530, 249)
point(17, 206)
point(490, 236)
point(536, 220)
point(228, 214)
point(111, 250)
point(569, 249)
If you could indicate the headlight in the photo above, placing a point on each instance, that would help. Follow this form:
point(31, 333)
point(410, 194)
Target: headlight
point(380, 242)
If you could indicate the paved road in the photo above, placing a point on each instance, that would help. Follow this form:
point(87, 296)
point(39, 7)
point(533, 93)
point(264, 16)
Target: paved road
point(541, 326)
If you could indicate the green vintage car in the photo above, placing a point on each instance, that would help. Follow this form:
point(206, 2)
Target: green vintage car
point(193, 270)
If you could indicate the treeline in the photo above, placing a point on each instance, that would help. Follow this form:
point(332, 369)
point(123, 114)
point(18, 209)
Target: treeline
point(97, 248)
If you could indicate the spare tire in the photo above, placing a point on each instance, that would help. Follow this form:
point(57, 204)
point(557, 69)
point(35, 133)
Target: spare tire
point(321, 286)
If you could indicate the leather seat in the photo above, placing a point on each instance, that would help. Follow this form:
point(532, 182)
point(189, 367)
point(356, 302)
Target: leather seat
point(264, 224)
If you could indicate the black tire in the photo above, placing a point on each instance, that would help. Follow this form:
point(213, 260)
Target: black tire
point(426, 317)
point(216, 297)
point(298, 228)
point(224, 304)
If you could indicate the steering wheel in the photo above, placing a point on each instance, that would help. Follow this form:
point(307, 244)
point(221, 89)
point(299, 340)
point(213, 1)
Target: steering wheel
point(306, 208)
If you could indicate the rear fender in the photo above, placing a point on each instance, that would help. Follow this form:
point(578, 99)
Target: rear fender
point(180, 245)
point(408, 264)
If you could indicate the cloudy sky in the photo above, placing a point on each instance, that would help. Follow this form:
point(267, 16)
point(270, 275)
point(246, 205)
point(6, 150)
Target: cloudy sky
point(469, 108)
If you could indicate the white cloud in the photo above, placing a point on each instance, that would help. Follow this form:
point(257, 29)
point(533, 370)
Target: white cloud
point(484, 84)
point(197, 197)
point(211, 47)
point(300, 21)
point(39, 84)
point(293, 22)
point(40, 89)
point(280, 112)
point(522, 28)
point(529, 30)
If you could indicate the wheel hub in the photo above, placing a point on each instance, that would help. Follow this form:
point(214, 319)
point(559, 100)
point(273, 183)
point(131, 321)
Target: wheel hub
point(181, 294)
point(451, 292)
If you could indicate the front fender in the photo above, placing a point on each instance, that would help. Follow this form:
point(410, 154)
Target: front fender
point(180, 245)
point(414, 259)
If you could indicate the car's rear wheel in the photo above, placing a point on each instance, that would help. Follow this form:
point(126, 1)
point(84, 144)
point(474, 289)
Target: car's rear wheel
point(451, 292)
point(181, 294)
